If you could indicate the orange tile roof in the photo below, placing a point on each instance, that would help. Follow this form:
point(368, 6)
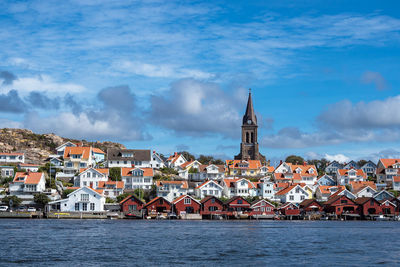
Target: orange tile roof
point(282, 176)
point(388, 163)
point(281, 185)
point(230, 182)
point(305, 169)
point(358, 185)
point(184, 184)
point(324, 189)
point(234, 164)
point(359, 172)
point(396, 179)
point(97, 150)
point(28, 165)
point(103, 170)
point(71, 150)
point(28, 177)
point(118, 184)
point(154, 200)
point(286, 190)
point(11, 154)
point(148, 172)
point(184, 165)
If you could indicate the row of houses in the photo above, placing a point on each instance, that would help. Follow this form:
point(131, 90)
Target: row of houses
point(338, 205)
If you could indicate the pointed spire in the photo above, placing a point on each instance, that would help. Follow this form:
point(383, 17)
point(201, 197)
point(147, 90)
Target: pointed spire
point(250, 115)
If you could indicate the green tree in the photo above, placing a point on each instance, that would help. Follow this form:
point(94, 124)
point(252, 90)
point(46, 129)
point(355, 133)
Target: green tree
point(15, 200)
point(66, 192)
point(187, 155)
point(167, 171)
point(41, 199)
point(110, 200)
point(122, 196)
point(205, 159)
point(361, 162)
point(115, 174)
point(294, 159)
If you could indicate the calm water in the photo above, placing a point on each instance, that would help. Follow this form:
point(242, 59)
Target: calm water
point(205, 243)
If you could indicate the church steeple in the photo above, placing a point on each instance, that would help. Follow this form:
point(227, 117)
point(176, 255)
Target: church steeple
point(249, 144)
point(250, 117)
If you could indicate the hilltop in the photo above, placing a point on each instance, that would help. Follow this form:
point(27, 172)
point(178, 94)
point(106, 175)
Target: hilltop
point(37, 147)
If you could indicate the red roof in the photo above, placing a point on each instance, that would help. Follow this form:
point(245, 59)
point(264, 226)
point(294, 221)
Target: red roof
point(206, 182)
point(286, 190)
point(388, 163)
point(230, 182)
point(28, 177)
point(97, 150)
point(71, 150)
point(176, 200)
point(11, 154)
point(184, 184)
point(252, 164)
point(345, 172)
point(146, 171)
point(103, 170)
point(116, 184)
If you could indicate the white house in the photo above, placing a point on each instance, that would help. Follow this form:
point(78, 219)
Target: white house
point(387, 169)
point(171, 189)
point(209, 188)
point(346, 176)
point(60, 150)
point(137, 178)
point(83, 199)
point(369, 168)
point(6, 171)
point(351, 165)
point(333, 167)
point(396, 183)
point(292, 194)
point(175, 160)
point(27, 183)
point(185, 169)
point(239, 187)
point(265, 189)
point(76, 158)
point(156, 161)
point(91, 177)
point(28, 167)
point(128, 158)
point(12, 158)
point(111, 189)
point(326, 180)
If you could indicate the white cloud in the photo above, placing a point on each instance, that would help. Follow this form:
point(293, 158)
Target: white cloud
point(5, 123)
point(338, 157)
point(160, 70)
point(42, 83)
point(375, 78)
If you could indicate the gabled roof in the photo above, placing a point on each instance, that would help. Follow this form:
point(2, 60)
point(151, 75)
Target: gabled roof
point(183, 184)
point(289, 204)
point(28, 177)
point(387, 200)
point(101, 171)
point(97, 191)
point(83, 151)
point(388, 163)
point(234, 164)
point(234, 198)
point(255, 202)
point(231, 182)
point(180, 198)
point(68, 143)
point(333, 198)
point(363, 200)
point(383, 192)
point(173, 158)
point(286, 176)
point(129, 197)
point(11, 154)
point(287, 190)
point(341, 192)
point(203, 167)
point(128, 171)
point(114, 184)
point(345, 172)
point(155, 199)
point(307, 202)
point(305, 169)
point(250, 114)
point(210, 197)
point(97, 150)
point(206, 182)
point(358, 185)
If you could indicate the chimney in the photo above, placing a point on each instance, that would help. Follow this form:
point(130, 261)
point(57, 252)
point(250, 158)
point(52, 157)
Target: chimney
point(280, 162)
point(304, 163)
point(175, 154)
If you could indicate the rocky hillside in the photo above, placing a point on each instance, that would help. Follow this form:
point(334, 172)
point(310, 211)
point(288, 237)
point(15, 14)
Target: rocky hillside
point(37, 147)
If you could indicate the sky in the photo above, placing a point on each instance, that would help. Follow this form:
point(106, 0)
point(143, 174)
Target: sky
point(174, 75)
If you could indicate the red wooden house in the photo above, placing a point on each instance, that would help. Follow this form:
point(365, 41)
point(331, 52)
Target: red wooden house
point(236, 204)
point(341, 205)
point(262, 209)
point(396, 201)
point(186, 205)
point(310, 206)
point(131, 204)
point(211, 205)
point(388, 207)
point(289, 209)
point(368, 206)
point(157, 205)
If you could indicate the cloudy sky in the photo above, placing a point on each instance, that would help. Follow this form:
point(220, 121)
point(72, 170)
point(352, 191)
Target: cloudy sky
point(174, 75)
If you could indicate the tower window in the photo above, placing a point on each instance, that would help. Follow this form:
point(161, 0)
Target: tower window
point(252, 137)
point(247, 137)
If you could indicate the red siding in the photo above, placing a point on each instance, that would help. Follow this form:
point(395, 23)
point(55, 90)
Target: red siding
point(205, 209)
point(193, 207)
point(261, 208)
point(371, 207)
point(159, 205)
point(238, 204)
point(131, 202)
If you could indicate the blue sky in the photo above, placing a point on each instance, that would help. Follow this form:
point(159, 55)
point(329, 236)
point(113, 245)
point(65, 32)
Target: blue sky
point(174, 75)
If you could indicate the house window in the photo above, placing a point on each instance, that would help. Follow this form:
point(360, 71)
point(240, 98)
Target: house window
point(302, 198)
point(76, 206)
point(268, 208)
point(213, 200)
point(297, 190)
point(343, 201)
point(240, 201)
point(187, 201)
point(291, 197)
point(84, 206)
point(85, 197)
point(92, 206)
point(132, 207)
point(84, 183)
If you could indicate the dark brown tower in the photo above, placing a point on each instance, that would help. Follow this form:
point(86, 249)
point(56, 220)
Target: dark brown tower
point(249, 145)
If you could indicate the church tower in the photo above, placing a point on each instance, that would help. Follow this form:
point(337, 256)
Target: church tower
point(249, 145)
